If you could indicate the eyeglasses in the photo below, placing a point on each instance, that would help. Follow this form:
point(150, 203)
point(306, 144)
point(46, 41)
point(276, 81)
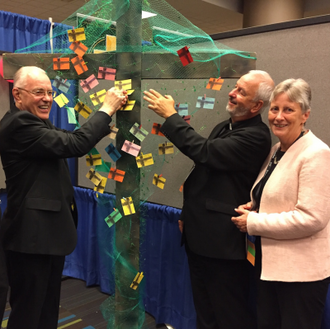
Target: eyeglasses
point(40, 92)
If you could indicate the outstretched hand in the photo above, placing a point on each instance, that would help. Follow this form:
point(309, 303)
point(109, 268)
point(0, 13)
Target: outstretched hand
point(161, 105)
point(114, 100)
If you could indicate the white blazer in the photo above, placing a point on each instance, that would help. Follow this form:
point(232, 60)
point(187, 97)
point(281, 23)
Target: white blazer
point(294, 213)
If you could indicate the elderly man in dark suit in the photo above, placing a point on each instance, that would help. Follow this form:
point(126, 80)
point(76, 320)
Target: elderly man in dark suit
point(226, 165)
point(39, 224)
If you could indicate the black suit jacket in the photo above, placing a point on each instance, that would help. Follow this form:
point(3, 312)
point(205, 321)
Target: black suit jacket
point(226, 166)
point(40, 217)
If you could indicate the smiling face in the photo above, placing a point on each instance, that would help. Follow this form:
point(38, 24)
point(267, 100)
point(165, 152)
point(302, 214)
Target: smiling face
point(241, 98)
point(286, 119)
point(38, 105)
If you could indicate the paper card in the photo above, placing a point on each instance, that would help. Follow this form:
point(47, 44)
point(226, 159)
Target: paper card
point(95, 177)
point(83, 109)
point(98, 51)
point(138, 132)
point(113, 132)
point(106, 73)
point(251, 252)
point(185, 56)
point(156, 129)
point(137, 280)
point(93, 160)
point(128, 206)
point(131, 148)
point(113, 152)
point(205, 102)
point(77, 34)
point(128, 106)
point(98, 97)
point(88, 84)
point(61, 100)
point(186, 118)
point(110, 43)
point(165, 148)
point(116, 174)
point(104, 167)
point(79, 65)
point(61, 63)
point(214, 83)
point(101, 187)
point(181, 188)
point(79, 48)
point(144, 160)
point(182, 109)
point(159, 181)
point(71, 116)
point(113, 218)
point(130, 91)
point(61, 84)
point(123, 84)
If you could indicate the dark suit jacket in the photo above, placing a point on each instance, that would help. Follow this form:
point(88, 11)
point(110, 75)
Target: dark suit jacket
point(39, 218)
point(226, 166)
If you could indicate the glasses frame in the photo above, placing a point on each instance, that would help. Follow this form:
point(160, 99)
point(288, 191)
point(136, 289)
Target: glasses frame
point(53, 93)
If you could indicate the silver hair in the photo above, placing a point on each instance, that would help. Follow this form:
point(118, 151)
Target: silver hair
point(298, 91)
point(20, 77)
point(265, 89)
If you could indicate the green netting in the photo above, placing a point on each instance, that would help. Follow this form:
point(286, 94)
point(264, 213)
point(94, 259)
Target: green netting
point(165, 31)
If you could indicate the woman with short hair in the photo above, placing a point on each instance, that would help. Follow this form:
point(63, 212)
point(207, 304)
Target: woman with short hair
point(290, 211)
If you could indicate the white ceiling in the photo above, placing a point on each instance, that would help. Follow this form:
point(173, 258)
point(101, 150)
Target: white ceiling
point(206, 14)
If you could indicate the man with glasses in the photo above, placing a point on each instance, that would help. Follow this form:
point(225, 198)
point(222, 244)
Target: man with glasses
point(39, 224)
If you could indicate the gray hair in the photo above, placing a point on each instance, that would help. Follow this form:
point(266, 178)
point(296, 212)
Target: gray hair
point(21, 75)
point(265, 89)
point(298, 91)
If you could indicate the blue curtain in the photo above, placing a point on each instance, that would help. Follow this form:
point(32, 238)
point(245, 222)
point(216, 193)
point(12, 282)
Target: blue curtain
point(167, 295)
point(18, 31)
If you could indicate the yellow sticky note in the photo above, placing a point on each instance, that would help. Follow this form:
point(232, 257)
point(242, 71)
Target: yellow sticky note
point(93, 160)
point(159, 181)
point(128, 206)
point(83, 109)
point(77, 34)
point(137, 280)
point(61, 100)
point(123, 84)
point(98, 98)
point(144, 160)
point(128, 106)
point(94, 176)
point(100, 188)
point(110, 43)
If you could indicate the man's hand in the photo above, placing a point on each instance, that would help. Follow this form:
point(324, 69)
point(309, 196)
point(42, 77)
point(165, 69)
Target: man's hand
point(113, 101)
point(180, 225)
point(161, 105)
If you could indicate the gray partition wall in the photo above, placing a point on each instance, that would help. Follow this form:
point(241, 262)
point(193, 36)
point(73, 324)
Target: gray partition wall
point(174, 167)
point(299, 49)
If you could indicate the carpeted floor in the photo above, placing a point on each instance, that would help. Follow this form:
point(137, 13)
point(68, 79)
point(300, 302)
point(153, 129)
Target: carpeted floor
point(79, 308)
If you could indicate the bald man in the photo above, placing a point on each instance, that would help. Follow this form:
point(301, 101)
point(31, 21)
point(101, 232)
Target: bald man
point(226, 166)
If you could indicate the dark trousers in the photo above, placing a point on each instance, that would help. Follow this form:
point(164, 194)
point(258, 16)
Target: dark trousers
point(35, 286)
point(221, 291)
point(3, 282)
point(291, 305)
